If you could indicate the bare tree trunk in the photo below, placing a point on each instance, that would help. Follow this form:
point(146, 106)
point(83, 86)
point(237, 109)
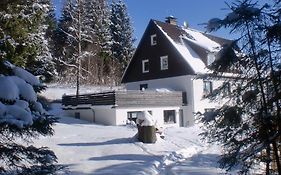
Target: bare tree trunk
point(79, 50)
point(267, 172)
point(275, 85)
point(276, 156)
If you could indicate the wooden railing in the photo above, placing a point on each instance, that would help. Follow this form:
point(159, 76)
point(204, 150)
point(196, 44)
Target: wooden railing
point(127, 99)
point(105, 98)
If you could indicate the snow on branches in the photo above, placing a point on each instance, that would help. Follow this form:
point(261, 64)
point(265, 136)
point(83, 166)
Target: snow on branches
point(18, 100)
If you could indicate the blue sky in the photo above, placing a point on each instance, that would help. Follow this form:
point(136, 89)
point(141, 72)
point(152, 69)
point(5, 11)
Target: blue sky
point(194, 12)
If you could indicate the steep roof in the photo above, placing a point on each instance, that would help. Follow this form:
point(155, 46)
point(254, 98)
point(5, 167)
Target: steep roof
point(193, 45)
point(187, 49)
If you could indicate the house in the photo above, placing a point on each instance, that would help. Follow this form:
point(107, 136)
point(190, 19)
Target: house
point(169, 56)
point(121, 107)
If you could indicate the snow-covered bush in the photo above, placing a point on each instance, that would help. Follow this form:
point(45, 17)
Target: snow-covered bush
point(23, 118)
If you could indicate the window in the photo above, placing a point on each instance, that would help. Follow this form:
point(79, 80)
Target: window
point(145, 66)
point(153, 40)
point(164, 62)
point(210, 58)
point(226, 89)
point(143, 87)
point(169, 116)
point(132, 116)
point(77, 115)
point(207, 87)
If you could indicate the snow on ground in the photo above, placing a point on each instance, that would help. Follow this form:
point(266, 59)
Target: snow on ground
point(86, 148)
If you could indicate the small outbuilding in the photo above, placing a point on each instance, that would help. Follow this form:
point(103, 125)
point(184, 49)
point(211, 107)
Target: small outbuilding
point(122, 107)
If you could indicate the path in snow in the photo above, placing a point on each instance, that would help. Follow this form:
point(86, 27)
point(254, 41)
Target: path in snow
point(88, 148)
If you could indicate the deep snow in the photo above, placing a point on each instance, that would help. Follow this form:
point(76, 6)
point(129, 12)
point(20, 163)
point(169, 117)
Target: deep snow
point(87, 148)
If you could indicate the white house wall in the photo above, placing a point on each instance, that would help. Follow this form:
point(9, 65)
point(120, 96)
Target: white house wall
point(180, 83)
point(157, 114)
point(105, 115)
point(97, 114)
point(85, 114)
point(109, 115)
point(189, 84)
point(200, 103)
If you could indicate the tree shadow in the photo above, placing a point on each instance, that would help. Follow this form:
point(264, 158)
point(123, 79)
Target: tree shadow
point(199, 164)
point(109, 142)
point(131, 157)
point(139, 164)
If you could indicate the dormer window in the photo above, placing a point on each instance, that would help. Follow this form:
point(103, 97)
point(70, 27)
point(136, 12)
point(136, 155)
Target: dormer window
point(210, 58)
point(153, 40)
point(145, 66)
point(164, 62)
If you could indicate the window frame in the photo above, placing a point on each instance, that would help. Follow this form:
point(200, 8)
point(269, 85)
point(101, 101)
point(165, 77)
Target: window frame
point(205, 91)
point(167, 118)
point(211, 57)
point(162, 58)
point(226, 89)
point(146, 61)
point(133, 115)
point(153, 41)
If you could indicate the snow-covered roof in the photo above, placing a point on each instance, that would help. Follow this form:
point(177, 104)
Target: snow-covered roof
point(180, 39)
point(202, 41)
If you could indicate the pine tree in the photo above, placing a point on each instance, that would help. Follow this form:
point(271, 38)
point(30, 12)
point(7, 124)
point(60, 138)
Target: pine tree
point(16, 24)
point(248, 124)
point(96, 40)
point(23, 35)
point(122, 35)
point(98, 19)
point(63, 49)
point(22, 118)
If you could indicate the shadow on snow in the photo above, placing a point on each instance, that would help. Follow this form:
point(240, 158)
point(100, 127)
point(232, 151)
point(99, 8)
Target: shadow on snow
point(109, 142)
point(199, 164)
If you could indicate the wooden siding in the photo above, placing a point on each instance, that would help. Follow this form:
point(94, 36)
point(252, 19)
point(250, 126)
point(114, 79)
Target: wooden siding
point(127, 99)
point(106, 98)
point(177, 66)
point(148, 98)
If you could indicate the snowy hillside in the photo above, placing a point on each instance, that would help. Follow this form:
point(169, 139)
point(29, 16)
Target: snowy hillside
point(87, 148)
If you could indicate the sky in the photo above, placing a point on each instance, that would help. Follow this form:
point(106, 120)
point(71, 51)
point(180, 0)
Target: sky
point(194, 12)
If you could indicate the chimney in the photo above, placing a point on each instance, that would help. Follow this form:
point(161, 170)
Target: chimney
point(171, 20)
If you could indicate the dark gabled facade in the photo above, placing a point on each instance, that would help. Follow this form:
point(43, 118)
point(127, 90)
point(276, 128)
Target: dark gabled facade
point(177, 64)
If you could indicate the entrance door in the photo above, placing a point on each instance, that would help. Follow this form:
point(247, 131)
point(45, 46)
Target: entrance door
point(181, 117)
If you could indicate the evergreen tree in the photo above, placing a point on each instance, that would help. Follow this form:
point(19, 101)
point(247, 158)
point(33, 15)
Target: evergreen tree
point(98, 19)
point(22, 118)
point(248, 124)
point(96, 40)
point(23, 35)
point(63, 49)
point(122, 35)
point(16, 22)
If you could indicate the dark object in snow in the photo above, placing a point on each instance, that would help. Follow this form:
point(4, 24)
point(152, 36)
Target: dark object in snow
point(147, 134)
